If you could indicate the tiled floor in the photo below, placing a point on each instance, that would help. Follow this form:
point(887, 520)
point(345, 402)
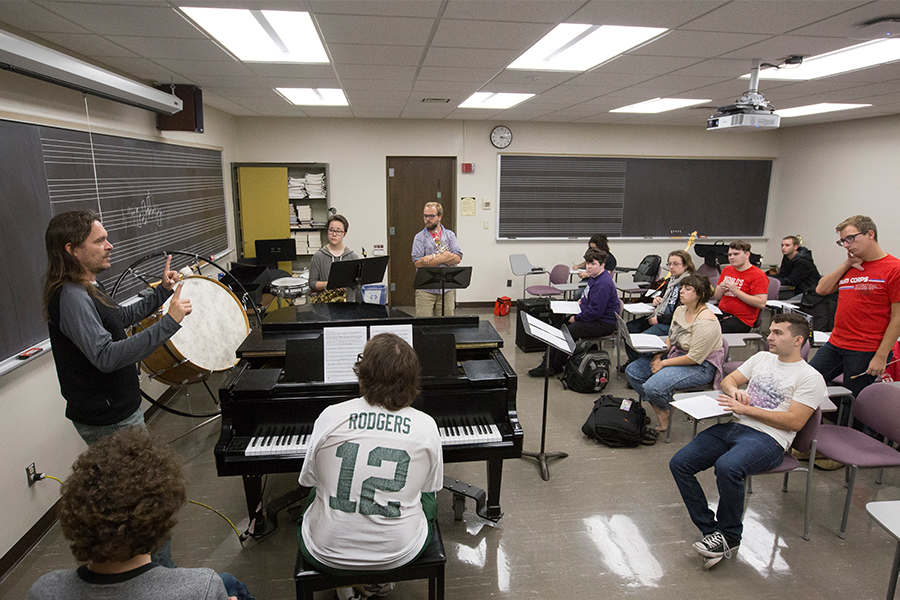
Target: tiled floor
point(608, 524)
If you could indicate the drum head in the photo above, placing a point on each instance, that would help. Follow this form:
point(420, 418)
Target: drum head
point(217, 325)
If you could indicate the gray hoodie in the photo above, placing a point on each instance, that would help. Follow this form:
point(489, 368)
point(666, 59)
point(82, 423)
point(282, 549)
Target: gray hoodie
point(320, 267)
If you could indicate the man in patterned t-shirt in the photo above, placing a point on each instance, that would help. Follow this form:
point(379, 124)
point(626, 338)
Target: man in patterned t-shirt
point(783, 392)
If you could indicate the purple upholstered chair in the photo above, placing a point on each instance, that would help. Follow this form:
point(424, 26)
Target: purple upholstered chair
point(878, 406)
point(804, 442)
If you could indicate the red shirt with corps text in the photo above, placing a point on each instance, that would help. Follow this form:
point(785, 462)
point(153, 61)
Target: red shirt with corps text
point(864, 304)
point(750, 281)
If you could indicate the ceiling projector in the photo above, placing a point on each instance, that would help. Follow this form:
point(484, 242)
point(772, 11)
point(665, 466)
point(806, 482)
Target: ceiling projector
point(749, 112)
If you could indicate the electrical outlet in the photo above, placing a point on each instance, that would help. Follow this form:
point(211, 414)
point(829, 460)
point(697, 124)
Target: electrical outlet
point(509, 283)
point(30, 471)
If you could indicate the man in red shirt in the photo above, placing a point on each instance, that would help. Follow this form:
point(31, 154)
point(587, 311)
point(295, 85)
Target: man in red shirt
point(742, 290)
point(867, 322)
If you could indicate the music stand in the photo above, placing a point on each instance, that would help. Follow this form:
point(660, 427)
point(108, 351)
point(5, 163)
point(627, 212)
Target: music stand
point(443, 278)
point(272, 252)
point(562, 340)
point(354, 273)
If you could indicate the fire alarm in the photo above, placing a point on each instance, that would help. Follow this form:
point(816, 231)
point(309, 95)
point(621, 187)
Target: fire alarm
point(468, 167)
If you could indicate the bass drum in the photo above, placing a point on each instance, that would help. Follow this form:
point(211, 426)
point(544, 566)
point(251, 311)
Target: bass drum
point(208, 338)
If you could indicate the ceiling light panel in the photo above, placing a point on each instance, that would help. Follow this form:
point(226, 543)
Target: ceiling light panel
point(579, 47)
point(494, 101)
point(853, 58)
point(815, 109)
point(314, 96)
point(274, 36)
point(658, 105)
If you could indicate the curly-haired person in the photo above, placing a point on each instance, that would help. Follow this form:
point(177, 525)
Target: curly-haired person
point(117, 507)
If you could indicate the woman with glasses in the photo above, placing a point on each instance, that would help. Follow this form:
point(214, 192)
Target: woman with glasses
point(322, 260)
point(680, 266)
point(694, 354)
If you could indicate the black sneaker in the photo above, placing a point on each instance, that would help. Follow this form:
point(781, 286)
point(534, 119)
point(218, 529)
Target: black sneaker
point(714, 548)
point(540, 371)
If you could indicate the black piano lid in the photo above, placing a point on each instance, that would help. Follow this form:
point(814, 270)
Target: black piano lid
point(482, 370)
point(257, 380)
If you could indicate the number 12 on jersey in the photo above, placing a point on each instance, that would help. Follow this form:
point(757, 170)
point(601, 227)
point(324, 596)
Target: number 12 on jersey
point(348, 452)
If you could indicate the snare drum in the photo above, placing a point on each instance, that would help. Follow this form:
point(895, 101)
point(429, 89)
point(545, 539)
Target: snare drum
point(208, 338)
point(289, 287)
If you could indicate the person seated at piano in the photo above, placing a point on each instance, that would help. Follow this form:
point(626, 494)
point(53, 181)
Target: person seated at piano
point(320, 265)
point(599, 306)
point(116, 508)
point(374, 464)
point(694, 354)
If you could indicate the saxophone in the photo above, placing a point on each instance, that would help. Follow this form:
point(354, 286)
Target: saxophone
point(328, 297)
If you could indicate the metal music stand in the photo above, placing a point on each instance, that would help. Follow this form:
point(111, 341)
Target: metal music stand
point(564, 344)
point(443, 278)
point(354, 273)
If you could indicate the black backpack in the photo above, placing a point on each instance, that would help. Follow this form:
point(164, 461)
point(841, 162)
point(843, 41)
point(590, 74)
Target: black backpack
point(648, 270)
point(587, 370)
point(822, 309)
point(616, 422)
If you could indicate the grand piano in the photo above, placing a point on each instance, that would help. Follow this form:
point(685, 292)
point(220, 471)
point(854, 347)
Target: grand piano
point(273, 396)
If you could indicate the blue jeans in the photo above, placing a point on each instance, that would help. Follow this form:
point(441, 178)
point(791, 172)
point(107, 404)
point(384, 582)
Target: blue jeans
point(736, 451)
point(657, 388)
point(831, 361)
point(93, 433)
point(235, 588)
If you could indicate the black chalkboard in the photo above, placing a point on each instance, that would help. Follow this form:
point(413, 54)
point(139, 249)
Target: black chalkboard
point(151, 197)
point(568, 197)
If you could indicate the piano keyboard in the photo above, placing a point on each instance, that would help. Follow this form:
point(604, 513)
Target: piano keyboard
point(469, 433)
point(287, 440)
point(282, 440)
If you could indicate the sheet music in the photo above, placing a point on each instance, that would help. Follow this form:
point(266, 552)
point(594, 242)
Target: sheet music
point(342, 346)
point(701, 407)
point(779, 304)
point(643, 341)
point(639, 308)
point(404, 332)
point(820, 337)
point(565, 307)
point(546, 333)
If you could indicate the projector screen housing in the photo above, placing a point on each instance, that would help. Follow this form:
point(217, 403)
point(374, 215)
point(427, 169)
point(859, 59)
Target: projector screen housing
point(29, 58)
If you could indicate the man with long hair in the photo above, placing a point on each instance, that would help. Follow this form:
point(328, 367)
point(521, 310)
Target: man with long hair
point(117, 507)
point(95, 360)
point(375, 463)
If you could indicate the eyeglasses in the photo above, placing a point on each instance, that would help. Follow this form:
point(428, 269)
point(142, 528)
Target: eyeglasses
point(848, 240)
point(430, 216)
point(359, 357)
point(336, 231)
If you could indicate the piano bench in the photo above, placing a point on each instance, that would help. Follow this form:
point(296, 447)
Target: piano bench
point(429, 565)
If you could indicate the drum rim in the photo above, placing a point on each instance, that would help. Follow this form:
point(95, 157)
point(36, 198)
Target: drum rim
point(173, 350)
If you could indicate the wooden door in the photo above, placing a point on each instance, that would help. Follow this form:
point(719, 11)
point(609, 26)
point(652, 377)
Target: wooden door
point(263, 202)
point(412, 181)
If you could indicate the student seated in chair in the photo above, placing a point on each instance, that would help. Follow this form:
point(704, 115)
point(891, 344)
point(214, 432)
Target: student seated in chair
point(798, 273)
point(599, 307)
point(680, 266)
point(695, 354)
point(783, 392)
point(375, 463)
point(117, 507)
point(742, 290)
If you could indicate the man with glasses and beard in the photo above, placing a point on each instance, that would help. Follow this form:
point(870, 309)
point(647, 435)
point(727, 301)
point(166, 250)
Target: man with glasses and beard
point(435, 246)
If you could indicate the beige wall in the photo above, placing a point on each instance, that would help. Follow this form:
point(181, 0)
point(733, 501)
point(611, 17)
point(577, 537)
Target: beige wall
point(829, 172)
point(33, 427)
point(356, 152)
